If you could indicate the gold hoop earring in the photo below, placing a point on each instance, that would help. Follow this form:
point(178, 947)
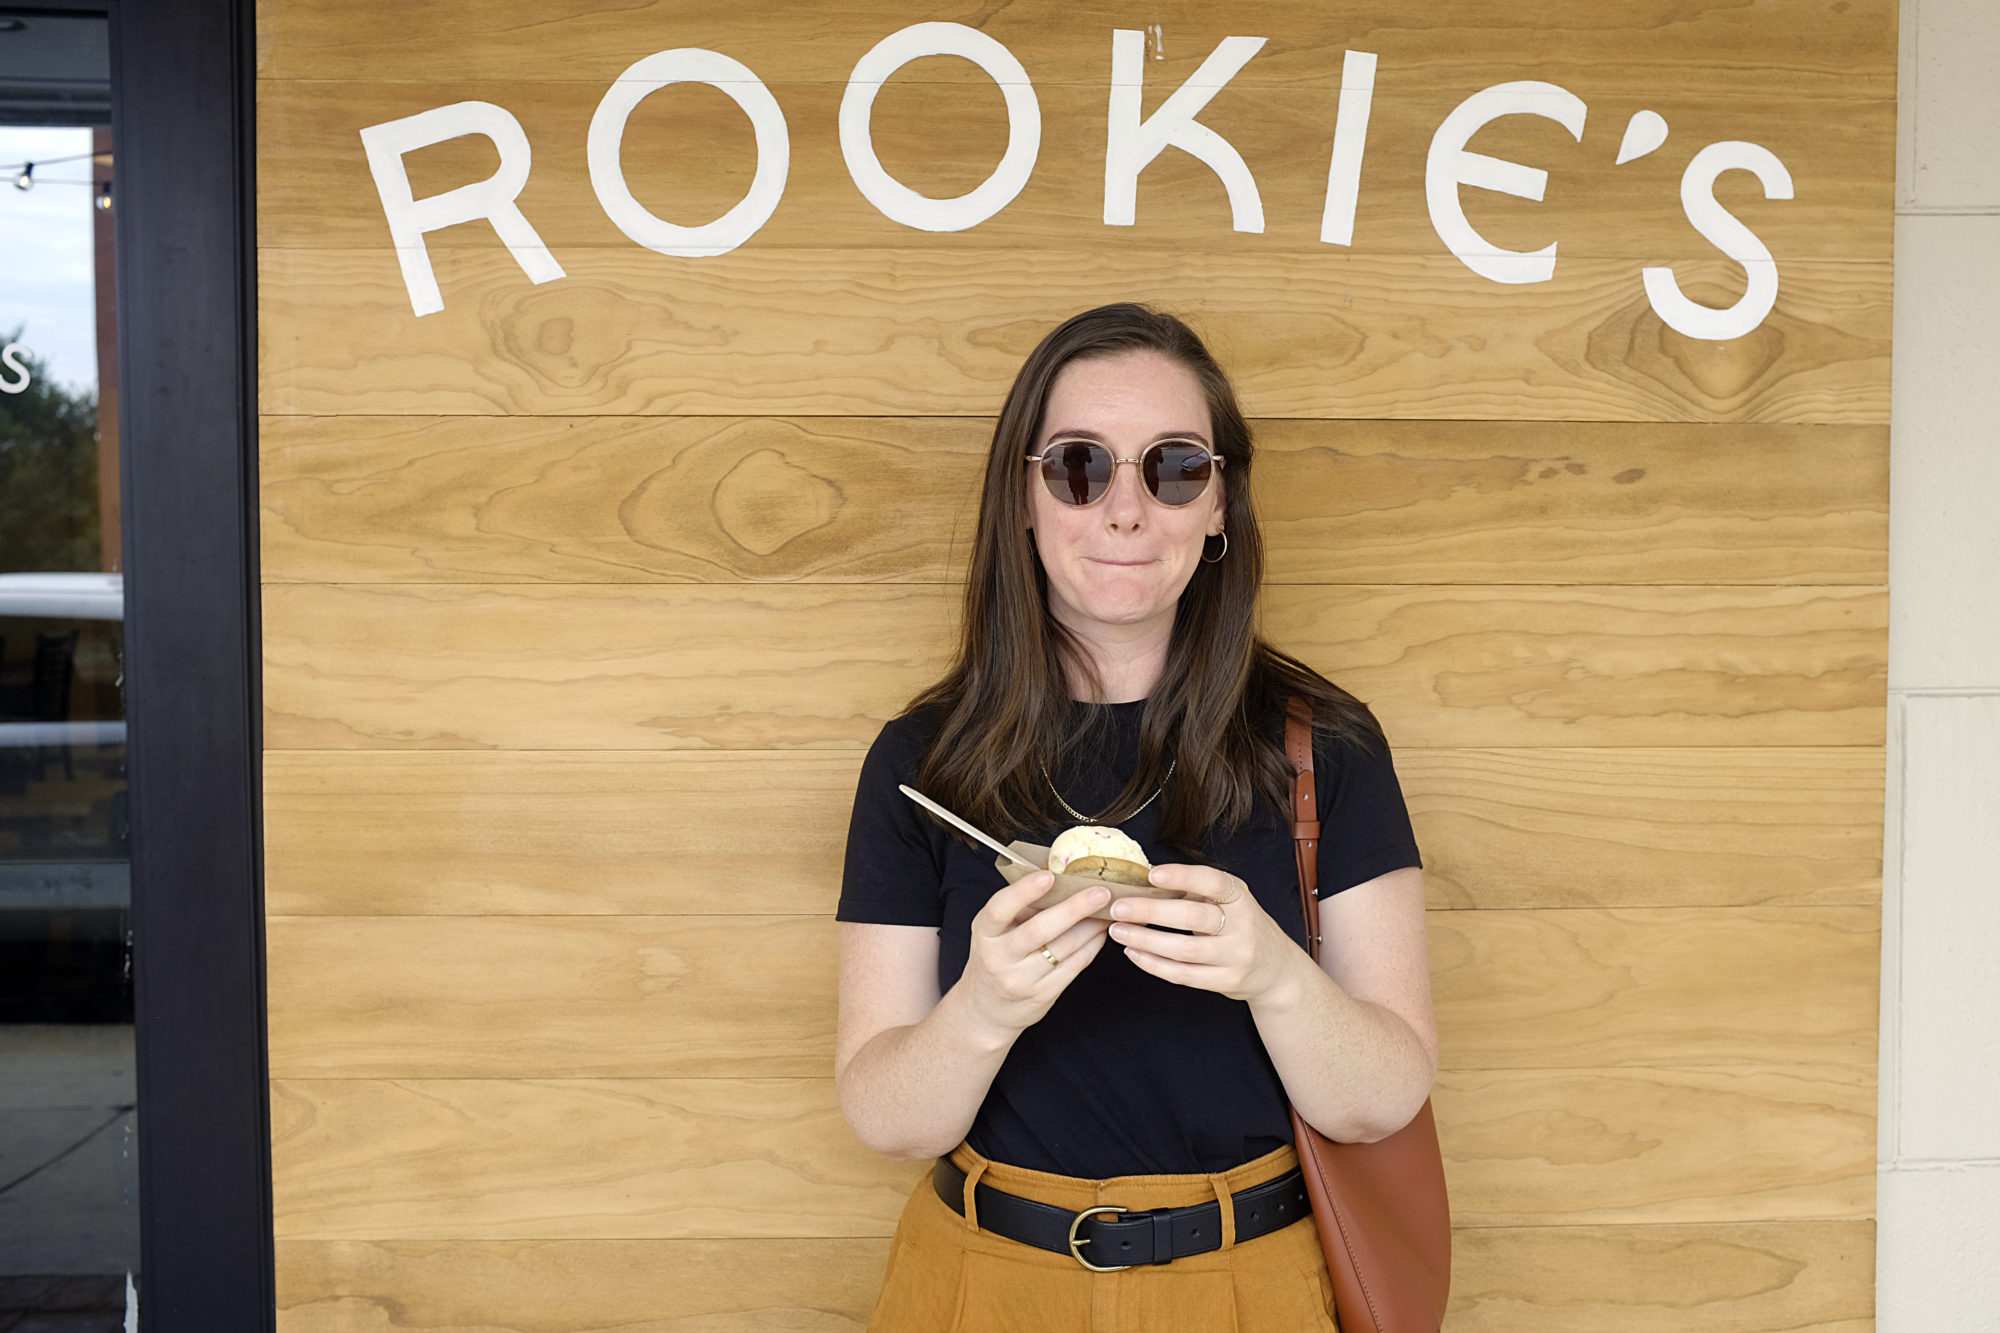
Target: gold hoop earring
point(1219, 554)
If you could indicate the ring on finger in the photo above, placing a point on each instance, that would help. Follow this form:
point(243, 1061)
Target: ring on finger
point(1053, 960)
point(1225, 921)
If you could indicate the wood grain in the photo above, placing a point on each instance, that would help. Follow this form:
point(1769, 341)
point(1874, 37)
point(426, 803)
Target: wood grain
point(830, 499)
point(1769, 1277)
point(800, 1284)
point(568, 667)
point(582, 601)
point(690, 153)
point(521, 997)
point(1647, 827)
point(735, 996)
point(925, 331)
point(493, 1159)
point(1754, 1277)
point(1828, 48)
point(1470, 666)
point(469, 833)
point(1534, 1148)
point(1665, 986)
point(616, 499)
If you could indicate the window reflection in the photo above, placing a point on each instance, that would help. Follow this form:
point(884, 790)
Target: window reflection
point(68, 1179)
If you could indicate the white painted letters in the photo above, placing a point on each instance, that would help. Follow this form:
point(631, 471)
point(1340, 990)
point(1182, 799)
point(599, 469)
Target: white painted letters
point(10, 357)
point(1133, 143)
point(898, 201)
point(689, 64)
point(1728, 235)
point(1451, 165)
point(492, 198)
point(1646, 131)
point(1350, 139)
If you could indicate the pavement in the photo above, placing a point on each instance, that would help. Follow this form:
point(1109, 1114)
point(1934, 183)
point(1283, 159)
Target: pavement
point(69, 1180)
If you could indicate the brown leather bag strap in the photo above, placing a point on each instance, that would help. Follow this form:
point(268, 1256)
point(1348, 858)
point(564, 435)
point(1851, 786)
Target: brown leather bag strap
point(1305, 814)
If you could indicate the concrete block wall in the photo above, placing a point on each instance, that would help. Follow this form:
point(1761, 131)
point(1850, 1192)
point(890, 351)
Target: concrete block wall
point(1938, 1244)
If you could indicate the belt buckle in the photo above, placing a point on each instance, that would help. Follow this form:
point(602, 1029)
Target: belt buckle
point(1074, 1241)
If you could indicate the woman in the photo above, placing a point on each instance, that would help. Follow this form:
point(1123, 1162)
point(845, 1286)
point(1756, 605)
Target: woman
point(1055, 1062)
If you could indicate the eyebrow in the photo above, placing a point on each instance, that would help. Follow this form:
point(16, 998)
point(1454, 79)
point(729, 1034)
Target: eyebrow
point(1194, 435)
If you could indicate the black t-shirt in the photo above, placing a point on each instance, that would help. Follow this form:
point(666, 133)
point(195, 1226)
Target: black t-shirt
point(1126, 1074)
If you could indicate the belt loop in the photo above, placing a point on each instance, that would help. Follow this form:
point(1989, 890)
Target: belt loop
point(1227, 1198)
point(971, 1182)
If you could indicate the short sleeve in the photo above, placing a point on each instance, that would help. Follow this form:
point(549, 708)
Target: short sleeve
point(895, 855)
point(1364, 826)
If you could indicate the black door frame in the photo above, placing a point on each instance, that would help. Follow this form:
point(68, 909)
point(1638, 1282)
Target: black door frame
point(182, 78)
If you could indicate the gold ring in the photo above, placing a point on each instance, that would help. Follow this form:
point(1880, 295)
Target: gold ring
point(1053, 960)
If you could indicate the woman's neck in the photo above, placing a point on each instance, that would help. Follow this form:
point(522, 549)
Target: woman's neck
point(1129, 665)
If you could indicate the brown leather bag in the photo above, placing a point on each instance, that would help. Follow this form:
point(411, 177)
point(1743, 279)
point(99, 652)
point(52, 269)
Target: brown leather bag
point(1384, 1221)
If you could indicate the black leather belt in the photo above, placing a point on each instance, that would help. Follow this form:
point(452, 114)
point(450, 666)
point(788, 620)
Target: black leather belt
point(1123, 1238)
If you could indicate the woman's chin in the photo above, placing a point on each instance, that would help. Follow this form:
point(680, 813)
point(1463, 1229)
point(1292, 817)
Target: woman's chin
point(1123, 610)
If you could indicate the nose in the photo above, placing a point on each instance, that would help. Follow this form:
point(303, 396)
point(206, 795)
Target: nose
point(1125, 501)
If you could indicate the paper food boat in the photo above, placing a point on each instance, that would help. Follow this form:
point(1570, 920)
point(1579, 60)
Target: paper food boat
point(1067, 884)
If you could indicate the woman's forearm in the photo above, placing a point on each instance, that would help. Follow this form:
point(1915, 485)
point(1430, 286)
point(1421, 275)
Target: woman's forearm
point(1354, 1070)
point(913, 1091)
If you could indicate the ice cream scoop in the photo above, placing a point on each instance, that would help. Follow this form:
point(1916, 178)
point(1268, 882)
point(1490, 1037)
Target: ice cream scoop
point(1100, 852)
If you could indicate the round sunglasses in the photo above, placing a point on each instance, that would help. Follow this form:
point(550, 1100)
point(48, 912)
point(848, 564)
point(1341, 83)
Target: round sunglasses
point(1175, 472)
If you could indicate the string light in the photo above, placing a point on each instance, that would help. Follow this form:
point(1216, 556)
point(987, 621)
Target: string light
point(25, 178)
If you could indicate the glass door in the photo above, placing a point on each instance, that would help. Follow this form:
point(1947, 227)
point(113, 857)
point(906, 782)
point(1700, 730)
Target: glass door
point(69, 1228)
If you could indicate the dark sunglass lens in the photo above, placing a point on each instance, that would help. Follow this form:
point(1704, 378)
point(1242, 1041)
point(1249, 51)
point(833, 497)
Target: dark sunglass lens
point(1078, 472)
point(1177, 473)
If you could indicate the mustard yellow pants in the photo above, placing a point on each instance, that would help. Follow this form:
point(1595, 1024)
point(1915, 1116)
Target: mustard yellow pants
point(945, 1275)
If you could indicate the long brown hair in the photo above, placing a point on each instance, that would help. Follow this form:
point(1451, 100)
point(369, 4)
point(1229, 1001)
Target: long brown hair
point(1005, 709)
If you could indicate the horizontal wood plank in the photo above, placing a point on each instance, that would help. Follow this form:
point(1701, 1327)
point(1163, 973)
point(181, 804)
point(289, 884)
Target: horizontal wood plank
point(1710, 46)
point(493, 1159)
point(753, 996)
point(913, 332)
point(555, 1158)
point(496, 833)
point(1647, 827)
point(799, 1284)
point(1697, 986)
point(471, 833)
point(519, 997)
point(1471, 666)
point(1751, 1277)
point(1758, 1277)
point(1531, 1148)
point(689, 154)
point(791, 666)
point(889, 499)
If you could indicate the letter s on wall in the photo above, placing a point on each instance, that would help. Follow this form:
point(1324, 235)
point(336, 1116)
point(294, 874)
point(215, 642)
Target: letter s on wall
point(1728, 235)
point(10, 358)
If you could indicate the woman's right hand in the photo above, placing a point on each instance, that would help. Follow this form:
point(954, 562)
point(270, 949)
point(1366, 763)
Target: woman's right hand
point(1010, 982)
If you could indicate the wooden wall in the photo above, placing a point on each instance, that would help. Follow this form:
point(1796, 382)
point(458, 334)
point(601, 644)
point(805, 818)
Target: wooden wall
point(581, 601)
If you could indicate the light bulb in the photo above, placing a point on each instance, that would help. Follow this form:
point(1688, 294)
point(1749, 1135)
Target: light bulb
point(26, 179)
point(104, 197)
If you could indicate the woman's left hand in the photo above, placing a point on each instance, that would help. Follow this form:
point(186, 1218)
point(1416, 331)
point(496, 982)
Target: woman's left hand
point(1236, 949)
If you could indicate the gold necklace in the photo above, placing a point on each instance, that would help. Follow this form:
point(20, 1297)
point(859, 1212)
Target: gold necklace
point(1082, 818)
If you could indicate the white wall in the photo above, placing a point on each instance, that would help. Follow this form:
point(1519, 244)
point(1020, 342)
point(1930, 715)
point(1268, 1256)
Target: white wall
point(1938, 1242)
